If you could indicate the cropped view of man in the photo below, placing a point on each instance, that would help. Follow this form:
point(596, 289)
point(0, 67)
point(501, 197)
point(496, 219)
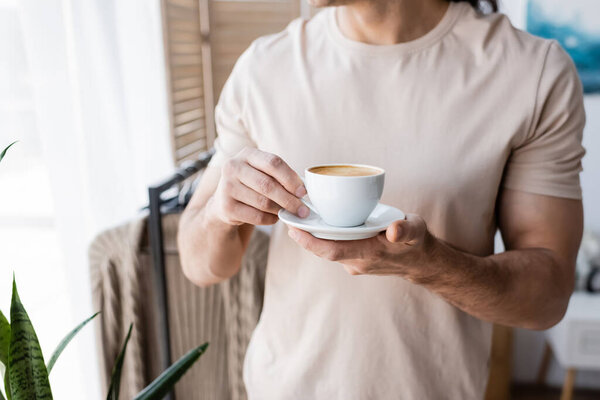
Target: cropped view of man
point(478, 126)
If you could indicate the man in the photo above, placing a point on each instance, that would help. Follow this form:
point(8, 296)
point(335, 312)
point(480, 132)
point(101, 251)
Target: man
point(478, 126)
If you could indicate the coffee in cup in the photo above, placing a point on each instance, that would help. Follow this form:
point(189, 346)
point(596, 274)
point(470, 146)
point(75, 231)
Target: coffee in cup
point(344, 195)
point(345, 170)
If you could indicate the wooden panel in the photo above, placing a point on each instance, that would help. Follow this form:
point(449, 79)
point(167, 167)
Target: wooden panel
point(183, 3)
point(187, 83)
point(188, 105)
point(187, 94)
point(189, 127)
point(235, 24)
point(498, 387)
point(203, 40)
point(186, 71)
point(195, 147)
point(207, 75)
point(191, 137)
point(184, 50)
point(193, 156)
point(184, 117)
point(176, 13)
point(179, 25)
point(183, 37)
point(183, 60)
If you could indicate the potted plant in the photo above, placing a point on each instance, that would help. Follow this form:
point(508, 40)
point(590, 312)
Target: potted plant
point(25, 374)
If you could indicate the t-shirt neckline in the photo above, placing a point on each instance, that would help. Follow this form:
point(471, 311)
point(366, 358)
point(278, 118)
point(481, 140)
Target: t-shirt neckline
point(442, 28)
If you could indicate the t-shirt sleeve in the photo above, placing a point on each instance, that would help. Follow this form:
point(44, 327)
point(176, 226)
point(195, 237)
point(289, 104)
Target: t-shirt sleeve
point(548, 159)
point(230, 117)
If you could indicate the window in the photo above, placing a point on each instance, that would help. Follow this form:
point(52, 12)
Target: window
point(28, 236)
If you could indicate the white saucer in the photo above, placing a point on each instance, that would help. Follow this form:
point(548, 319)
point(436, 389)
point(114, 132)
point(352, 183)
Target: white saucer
point(381, 217)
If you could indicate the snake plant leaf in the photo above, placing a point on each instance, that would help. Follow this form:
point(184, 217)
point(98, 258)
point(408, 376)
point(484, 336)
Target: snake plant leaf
point(5, 150)
point(4, 346)
point(6, 384)
point(4, 339)
point(165, 381)
point(27, 372)
point(115, 378)
point(5, 380)
point(63, 343)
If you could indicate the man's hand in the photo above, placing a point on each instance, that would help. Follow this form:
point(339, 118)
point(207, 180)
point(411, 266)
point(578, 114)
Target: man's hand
point(405, 249)
point(216, 226)
point(253, 187)
point(528, 285)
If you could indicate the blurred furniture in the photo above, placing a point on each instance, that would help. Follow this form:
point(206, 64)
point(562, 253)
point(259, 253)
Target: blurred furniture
point(202, 41)
point(587, 275)
point(137, 279)
point(188, 68)
point(575, 341)
point(498, 387)
point(529, 391)
point(158, 206)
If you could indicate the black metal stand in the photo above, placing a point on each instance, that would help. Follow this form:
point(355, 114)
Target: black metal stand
point(156, 203)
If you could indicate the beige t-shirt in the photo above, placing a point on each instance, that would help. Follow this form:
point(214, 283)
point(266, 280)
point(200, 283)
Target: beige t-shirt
point(453, 117)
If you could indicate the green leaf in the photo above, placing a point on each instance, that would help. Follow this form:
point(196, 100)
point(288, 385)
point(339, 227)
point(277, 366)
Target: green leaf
point(2, 373)
point(7, 385)
point(5, 149)
point(165, 382)
point(27, 372)
point(63, 343)
point(4, 346)
point(115, 378)
point(4, 339)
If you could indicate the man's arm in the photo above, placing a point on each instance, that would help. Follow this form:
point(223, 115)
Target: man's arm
point(198, 232)
point(216, 226)
point(527, 286)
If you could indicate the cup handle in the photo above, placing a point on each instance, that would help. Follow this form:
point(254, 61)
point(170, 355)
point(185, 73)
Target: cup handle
point(307, 202)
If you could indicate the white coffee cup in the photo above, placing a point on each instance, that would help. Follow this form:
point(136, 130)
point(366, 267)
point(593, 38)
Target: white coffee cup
point(343, 200)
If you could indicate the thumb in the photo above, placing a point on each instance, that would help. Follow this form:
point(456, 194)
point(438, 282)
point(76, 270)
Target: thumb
point(407, 230)
point(394, 232)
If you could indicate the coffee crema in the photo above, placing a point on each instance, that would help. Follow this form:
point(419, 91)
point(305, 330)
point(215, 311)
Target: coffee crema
point(344, 170)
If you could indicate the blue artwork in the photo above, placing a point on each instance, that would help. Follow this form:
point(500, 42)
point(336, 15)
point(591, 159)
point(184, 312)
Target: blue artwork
point(575, 24)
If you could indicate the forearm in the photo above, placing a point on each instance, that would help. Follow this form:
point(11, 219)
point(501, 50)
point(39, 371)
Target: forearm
point(210, 250)
point(523, 288)
point(528, 287)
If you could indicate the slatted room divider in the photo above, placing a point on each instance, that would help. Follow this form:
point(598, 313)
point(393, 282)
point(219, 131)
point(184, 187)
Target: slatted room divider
point(202, 41)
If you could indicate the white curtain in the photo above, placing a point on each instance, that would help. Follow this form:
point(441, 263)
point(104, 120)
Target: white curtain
point(98, 79)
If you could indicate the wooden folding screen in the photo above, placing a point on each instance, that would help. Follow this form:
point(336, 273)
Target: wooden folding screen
point(202, 41)
point(189, 84)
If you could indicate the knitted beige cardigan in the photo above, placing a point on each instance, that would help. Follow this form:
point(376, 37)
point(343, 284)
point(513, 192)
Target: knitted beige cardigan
point(224, 315)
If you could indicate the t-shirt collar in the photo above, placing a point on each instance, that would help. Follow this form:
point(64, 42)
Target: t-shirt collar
point(442, 28)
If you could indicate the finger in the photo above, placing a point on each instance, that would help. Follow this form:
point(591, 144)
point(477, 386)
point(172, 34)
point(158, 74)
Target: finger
point(351, 270)
point(409, 230)
point(244, 194)
point(270, 188)
point(274, 166)
point(241, 212)
point(329, 249)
